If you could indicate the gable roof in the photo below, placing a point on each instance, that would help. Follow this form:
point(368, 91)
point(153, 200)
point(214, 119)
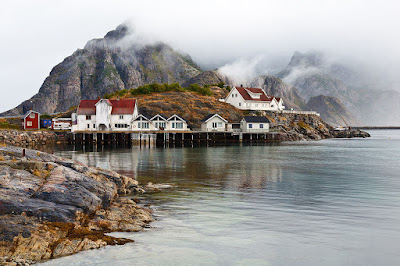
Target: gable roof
point(256, 119)
point(244, 92)
point(205, 119)
point(119, 107)
point(158, 115)
point(175, 115)
point(104, 100)
point(146, 117)
point(28, 113)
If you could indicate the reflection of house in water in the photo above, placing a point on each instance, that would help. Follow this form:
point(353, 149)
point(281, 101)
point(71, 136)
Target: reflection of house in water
point(256, 173)
point(125, 161)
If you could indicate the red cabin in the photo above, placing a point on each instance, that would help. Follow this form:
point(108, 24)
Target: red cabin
point(31, 120)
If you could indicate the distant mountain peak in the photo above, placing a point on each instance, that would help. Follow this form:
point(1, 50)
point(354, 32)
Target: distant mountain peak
point(120, 60)
point(119, 33)
point(309, 59)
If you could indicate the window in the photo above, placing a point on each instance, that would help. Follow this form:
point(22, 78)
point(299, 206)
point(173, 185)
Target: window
point(173, 125)
point(94, 125)
point(32, 115)
point(121, 117)
point(214, 125)
point(219, 124)
point(179, 125)
point(88, 117)
point(261, 125)
point(240, 104)
point(88, 125)
point(250, 125)
point(145, 124)
point(272, 105)
point(256, 104)
point(29, 123)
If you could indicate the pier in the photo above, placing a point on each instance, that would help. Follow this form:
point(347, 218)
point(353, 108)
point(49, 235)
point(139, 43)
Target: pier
point(169, 139)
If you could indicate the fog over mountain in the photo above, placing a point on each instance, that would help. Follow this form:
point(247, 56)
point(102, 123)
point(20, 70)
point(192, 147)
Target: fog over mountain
point(243, 40)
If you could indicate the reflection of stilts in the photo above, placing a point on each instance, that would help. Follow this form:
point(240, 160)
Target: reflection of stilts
point(165, 139)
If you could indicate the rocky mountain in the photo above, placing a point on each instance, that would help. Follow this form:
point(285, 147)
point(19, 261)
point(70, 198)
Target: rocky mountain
point(120, 60)
point(275, 86)
point(313, 76)
point(205, 78)
point(371, 102)
point(331, 110)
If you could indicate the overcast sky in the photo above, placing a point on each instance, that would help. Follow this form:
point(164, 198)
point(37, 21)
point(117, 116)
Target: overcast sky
point(37, 35)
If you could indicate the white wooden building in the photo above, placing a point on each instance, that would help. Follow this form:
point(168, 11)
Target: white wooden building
point(253, 99)
point(159, 122)
point(105, 115)
point(255, 124)
point(176, 123)
point(214, 122)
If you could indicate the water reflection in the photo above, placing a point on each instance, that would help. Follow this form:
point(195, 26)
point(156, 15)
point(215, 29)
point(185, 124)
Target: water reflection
point(333, 202)
point(232, 167)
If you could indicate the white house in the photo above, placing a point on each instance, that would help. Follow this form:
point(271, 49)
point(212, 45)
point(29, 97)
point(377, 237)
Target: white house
point(176, 123)
point(214, 122)
point(253, 99)
point(105, 115)
point(255, 124)
point(142, 123)
point(159, 122)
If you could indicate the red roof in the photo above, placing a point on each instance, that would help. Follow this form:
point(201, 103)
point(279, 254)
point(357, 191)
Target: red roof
point(87, 107)
point(247, 97)
point(119, 107)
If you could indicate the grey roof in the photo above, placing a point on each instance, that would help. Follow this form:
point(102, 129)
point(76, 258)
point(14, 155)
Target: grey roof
point(207, 117)
point(256, 119)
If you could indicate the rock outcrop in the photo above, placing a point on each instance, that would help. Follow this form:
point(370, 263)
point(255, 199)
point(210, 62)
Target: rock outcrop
point(294, 127)
point(205, 78)
point(120, 60)
point(52, 207)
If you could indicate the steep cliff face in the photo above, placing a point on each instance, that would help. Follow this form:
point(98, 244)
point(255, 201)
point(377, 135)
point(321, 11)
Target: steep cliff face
point(331, 110)
point(205, 78)
point(118, 61)
point(276, 87)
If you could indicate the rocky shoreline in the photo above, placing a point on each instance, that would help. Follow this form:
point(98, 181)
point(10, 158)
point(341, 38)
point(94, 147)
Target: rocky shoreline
point(52, 206)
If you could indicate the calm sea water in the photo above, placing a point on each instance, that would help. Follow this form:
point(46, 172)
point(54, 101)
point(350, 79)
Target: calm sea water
point(330, 202)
